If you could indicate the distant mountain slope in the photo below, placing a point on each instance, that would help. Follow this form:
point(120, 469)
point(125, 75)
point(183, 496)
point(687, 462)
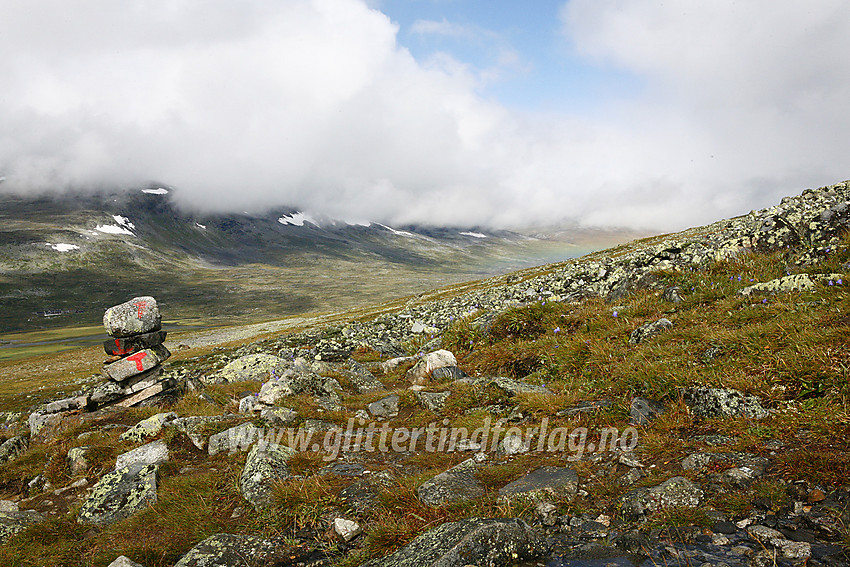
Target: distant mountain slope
point(62, 258)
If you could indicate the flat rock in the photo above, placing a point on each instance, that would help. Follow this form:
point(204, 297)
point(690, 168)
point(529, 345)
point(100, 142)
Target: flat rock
point(230, 550)
point(494, 542)
point(513, 387)
point(124, 346)
point(456, 484)
point(723, 402)
point(13, 522)
point(119, 494)
point(385, 407)
point(154, 453)
point(279, 416)
point(192, 426)
point(259, 367)
point(149, 427)
point(135, 317)
point(545, 482)
point(235, 439)
point(675, 492)
point(796, 282)
point(265, 464)
point(137, 363)
point(361, 379)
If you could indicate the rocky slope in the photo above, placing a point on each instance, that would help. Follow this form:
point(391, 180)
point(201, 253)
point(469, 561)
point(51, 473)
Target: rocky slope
point(680, 399)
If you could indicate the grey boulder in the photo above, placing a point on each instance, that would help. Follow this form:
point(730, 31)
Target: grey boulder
point(135, 317)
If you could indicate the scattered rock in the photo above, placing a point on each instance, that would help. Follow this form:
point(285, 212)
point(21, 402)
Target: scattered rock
point(546, 482)
point(238, 438)
point(722, 402)
point(147, 428)
point(649, 330)
point(422, 370)
point(672, 294)
point(347, 530)
point(13, 447)
point(644, 410)
point(77, 462)
point(513, 387)
point(120, 494)
point(266, 463)
point(154, 453)
point(124, 561)
point(385, 407)
point(229, 550)
point(433, 401)
point(13, 522)
point(253, 367)
point(456, 484)
point(361, 379)
point(796, 282)
point(492, 542)
point(672, 493)
point(129, 345)
point(278, 416)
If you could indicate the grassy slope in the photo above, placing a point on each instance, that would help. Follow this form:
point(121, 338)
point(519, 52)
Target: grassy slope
point(790, 349)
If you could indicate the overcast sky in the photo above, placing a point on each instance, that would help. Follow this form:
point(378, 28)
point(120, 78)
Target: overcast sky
point(490, 112)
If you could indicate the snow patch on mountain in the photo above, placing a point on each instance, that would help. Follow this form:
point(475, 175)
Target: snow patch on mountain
point(159, 191)
point(63, 247)
point(474, 234)
point(202, 226)
point(297, 219)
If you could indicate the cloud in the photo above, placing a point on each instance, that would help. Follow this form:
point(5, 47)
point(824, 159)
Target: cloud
point(313, 103)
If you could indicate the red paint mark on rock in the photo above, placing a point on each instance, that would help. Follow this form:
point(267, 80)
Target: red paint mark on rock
point(118, 349)
point(141, 306)
point(137, 358)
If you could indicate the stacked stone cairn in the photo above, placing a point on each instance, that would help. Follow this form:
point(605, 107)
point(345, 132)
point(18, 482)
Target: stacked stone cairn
point(136, 352)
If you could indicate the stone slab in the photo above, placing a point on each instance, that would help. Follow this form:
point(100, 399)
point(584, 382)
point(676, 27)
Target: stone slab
point(136, 363)
point(135, 317)
point(124, 346)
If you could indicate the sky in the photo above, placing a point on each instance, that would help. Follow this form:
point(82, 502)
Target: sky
point(644, 114)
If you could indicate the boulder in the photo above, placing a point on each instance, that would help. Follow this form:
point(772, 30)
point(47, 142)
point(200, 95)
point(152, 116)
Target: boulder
point(14, 522)
point(796, 282)
point(494, 542)
point(135, 317)
point(229, 550)
point(278, 416)
point(136, 364)
point(649, 330)
point(77, 462)
point(513, 387)
point(266, 463)
point(428, 363)
point(154, 453)
point(124, 561)
point(119, 494)
point(456, 484)
point(675, 492)
point(193, 425)
point(346, 530)
point(433, 401)
point(238, 438)
point(672, 294)
point(361, 379)
point(723, 402)
point(128, 345)
point(546, 482)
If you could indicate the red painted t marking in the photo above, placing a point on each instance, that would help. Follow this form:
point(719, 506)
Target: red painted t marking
point(118, 349)
point(137, 358)
point(141, 306)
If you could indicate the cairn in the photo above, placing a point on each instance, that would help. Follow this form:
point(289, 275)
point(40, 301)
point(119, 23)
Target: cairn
point(136, 353)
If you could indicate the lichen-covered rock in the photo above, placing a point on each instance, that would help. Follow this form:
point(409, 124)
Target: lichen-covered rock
point(13, 447)
point(361, 379)
point(120, 494)
point(675, 492)
point(385, 407)
point(649, 330)
point(672, 294)
point(77, 462)
point(796, 282)
point(259, 367)
point(490, 542)
point(193, 426)
point(135, 317)
point(428, 363)
point(230, 550)
point(235, 439)
point(13, 522)
point(723, 402)
point(433, 401)
point(346, 530)
point(154, 453)
point(545, 482)
point(137, 363)
point(266, 463)
point(147, 428)
point(124, 561)
point(513, 387)
point(278, 416)
point(456, 484)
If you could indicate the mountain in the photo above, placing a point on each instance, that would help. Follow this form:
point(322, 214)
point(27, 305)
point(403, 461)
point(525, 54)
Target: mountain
point(64, 256)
